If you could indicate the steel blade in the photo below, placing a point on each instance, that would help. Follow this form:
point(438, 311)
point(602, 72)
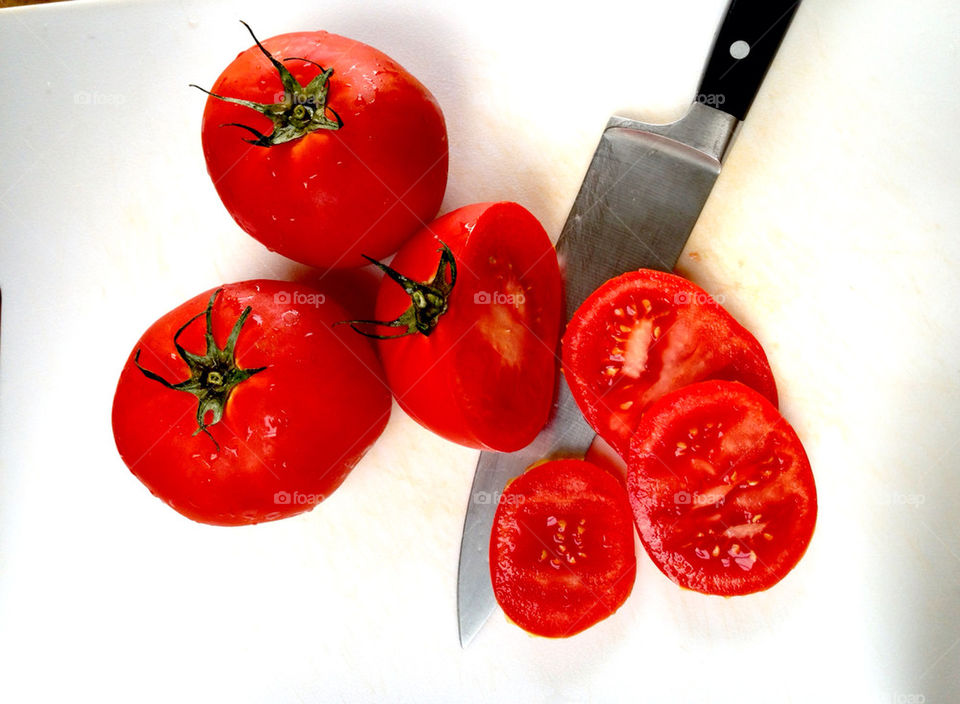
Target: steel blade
point(638, 203)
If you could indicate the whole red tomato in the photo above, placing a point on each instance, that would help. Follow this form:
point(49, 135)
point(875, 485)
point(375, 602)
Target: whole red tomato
point(322, 147)
point(246, 404)
point(474, 310)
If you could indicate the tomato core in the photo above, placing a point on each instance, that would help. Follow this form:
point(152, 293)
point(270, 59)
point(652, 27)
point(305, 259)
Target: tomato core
point(428, 300)
point(303, 109)
point(213, 375)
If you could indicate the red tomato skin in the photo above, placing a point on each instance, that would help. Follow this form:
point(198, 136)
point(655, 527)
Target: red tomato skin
point(557, 602)
point(783, 507)
point(331, 195)
point(297, 427)
point(452, 382)
point(726, 349)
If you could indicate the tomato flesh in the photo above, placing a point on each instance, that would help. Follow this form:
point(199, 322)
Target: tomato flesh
point(644, 334)
point(485, 376)
point(721, 489)
point(562, 549)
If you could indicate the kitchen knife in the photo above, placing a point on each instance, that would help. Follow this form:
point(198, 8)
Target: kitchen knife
point(641, 196)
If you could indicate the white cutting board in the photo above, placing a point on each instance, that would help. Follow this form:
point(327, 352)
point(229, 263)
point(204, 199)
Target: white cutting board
point(833, 233)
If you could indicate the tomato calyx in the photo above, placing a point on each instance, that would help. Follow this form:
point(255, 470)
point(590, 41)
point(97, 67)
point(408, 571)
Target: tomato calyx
point(428, 300)
point(213, 375)
point(303, 109)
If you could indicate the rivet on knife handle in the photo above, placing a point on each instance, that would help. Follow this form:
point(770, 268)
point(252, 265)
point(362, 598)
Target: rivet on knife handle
point(743, 51)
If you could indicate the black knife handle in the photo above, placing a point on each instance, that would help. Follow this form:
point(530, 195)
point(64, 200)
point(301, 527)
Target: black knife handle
point(743, 51)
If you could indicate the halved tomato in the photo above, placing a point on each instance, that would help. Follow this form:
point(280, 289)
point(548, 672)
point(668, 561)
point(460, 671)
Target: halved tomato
point(646, 333)
point(561, 552)
point(470, 313)
point(721, 489)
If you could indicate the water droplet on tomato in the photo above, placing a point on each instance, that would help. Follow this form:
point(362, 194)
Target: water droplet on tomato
point(270, 425)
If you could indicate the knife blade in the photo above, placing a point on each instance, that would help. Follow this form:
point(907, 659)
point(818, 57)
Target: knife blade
point(640, 199)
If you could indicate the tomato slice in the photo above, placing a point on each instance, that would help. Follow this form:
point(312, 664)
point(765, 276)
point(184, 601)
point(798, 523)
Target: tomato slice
point(562, 553)
point(721, 489)
point(646, 333)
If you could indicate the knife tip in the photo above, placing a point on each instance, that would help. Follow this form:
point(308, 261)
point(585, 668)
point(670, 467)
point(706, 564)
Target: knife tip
point(466, 637)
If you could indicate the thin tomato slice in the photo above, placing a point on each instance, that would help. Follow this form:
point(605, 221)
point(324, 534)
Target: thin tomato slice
point(644, 334)
point(562, 553)
point(721, 489)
